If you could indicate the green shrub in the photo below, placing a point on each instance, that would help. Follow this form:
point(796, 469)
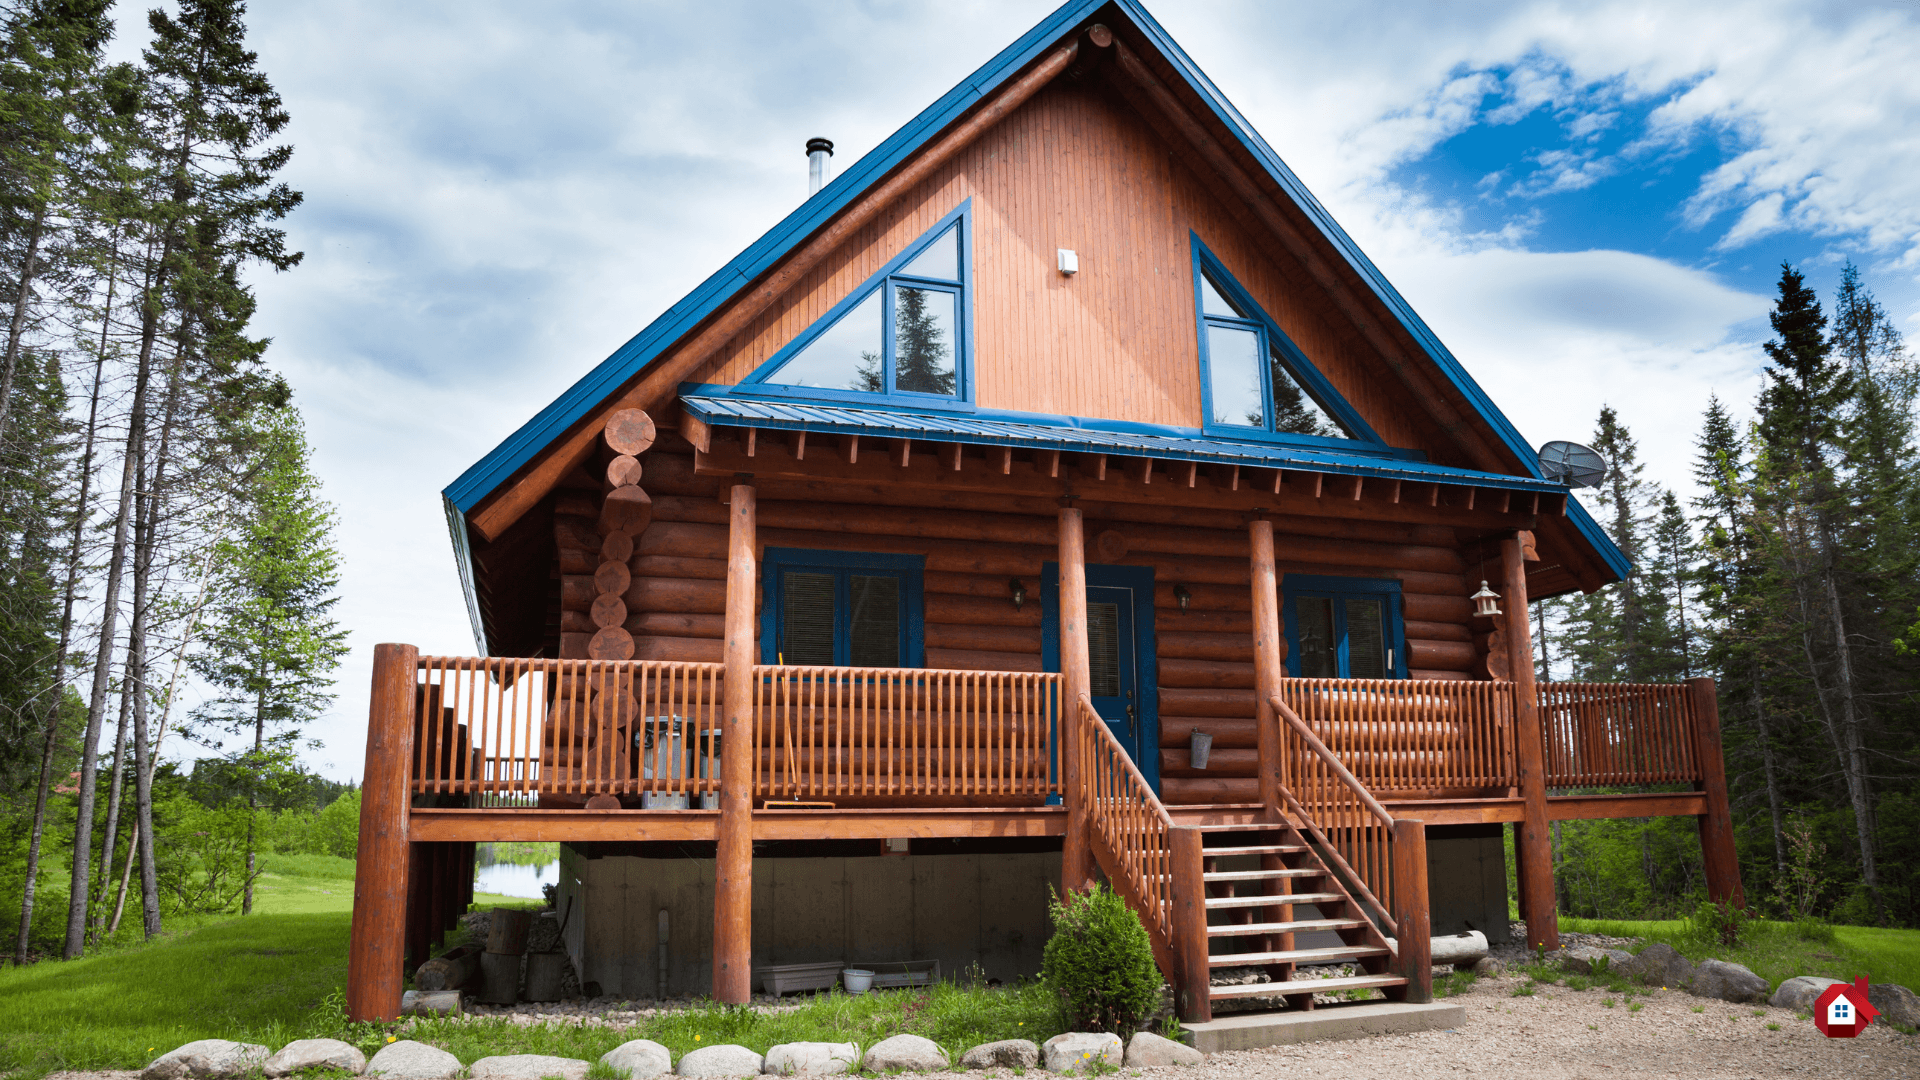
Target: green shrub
point(1717, 923)
point(1814, 930)
point(1100, 962)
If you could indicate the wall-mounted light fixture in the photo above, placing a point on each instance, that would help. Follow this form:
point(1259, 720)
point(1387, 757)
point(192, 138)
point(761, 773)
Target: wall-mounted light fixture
point(1486, 601)
point(1019, 593)
point(1185, 597)
point(1069, 262)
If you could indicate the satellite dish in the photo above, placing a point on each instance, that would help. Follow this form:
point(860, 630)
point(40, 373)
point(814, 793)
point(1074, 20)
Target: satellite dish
point(1572, 464)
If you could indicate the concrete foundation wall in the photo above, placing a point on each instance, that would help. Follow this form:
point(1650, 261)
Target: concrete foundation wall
point(1467, 880)
point(962, 910)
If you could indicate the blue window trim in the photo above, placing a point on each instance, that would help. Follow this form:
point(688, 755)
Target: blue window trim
point(1146, 651)
point(1314, 383)
point(960, 219)
point(911, 568)
point(1293, 585)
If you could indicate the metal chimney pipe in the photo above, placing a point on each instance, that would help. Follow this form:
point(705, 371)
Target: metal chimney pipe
point(819, 169)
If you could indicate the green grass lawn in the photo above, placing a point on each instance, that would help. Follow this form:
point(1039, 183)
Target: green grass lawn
point(1776, 952)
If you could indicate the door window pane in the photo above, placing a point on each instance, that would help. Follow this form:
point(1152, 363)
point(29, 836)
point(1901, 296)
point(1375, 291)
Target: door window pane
point(875, 629)
point(940, 260)
point(923, 321)
point(806, 618)
point(846, 357)
point(1319, 651)
point(1103, 649)
point(1233, 364)
point(1366, 639)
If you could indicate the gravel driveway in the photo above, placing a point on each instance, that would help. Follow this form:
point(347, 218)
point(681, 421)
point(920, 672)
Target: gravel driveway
point(1562, 1034)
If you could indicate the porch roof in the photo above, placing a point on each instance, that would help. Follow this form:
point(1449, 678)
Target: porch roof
point(1081, 435)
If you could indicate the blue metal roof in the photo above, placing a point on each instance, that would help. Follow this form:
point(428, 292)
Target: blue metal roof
point(959, 428)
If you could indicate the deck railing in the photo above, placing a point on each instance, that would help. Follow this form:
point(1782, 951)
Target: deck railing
point(1126, 818)
point(1411, 735)
point(1335, 807)
point(837, 732)
point(1610, 734)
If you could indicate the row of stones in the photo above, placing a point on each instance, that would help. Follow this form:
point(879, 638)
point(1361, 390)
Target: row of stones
point(640, 1059)
point(1662, 965)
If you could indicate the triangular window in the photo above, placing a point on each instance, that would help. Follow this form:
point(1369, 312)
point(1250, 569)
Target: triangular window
point(1253, 378)
point(902, 332)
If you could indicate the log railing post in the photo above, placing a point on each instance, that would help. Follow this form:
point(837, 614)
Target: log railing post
point(733, 855)
point(1716, 825)
point(1189, 919)
point(1410, 909)
point(1076, 858)
point(1534, 846)
point(1267, 671)
point(378, 937)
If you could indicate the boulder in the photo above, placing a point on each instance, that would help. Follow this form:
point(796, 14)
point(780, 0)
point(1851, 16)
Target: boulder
point(1895, 1002)
point(206, 1058)
point(1728, 982)
point(639, 1059)
point(1586, 959)
point(1075, 1051)
point(1146, 1048)
point(527, 1067)
point(1799, 992)
point(315, 1054)
point(725, 1059)
point(1005, 1054)
point(430, 1003)
point(1487, 967)
point(1660, 965)
point(409, 1060)
point(811, 1059)
point(909, 1052)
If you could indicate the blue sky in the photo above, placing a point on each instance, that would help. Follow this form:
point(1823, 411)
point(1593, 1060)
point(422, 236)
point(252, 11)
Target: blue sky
point(1588, 202)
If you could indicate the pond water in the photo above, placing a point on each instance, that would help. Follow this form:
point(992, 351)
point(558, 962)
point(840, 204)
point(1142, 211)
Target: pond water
point(515, 879)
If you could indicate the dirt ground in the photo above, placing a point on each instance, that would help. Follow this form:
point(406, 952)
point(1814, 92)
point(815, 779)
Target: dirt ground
point(1560, 1034)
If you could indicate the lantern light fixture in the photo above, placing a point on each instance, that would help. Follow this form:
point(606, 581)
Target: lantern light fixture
point(1019, 593)
point(1185, 597)
point(1486, 601)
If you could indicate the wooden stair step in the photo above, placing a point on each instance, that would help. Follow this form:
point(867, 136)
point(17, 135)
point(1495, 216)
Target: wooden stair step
point(1297, 956)
point(1256, 826)
point(1215, 902)
point(1255, 849)
point(1261, 875)
point(1294, 927)
point(1305, 986)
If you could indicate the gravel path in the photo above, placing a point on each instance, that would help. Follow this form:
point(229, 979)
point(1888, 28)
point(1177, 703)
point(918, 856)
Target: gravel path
point(1559, 1034)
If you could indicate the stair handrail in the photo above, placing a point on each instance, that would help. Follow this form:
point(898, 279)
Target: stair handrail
point(1151, 824)
point(1339, 770)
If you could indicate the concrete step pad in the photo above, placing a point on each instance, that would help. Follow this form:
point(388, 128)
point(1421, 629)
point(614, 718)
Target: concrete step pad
point(1356, 1020)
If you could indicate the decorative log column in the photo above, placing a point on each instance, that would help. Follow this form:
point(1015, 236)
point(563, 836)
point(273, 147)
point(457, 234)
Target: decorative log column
point(733, 864)
point(625, 513)
point(1534, 848)
point(1076, 858)
point(378, 939)
point(1716, 825)
point(1189, 916)
point(1414, 958)
point(1267, 672)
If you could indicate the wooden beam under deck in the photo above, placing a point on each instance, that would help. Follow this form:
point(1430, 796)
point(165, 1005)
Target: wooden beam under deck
point(972, 822)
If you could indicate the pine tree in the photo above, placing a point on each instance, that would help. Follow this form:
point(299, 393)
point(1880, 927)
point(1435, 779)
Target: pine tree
point(271, 643)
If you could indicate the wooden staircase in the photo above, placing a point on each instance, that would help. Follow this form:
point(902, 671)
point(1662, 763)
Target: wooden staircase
point(1253, 920)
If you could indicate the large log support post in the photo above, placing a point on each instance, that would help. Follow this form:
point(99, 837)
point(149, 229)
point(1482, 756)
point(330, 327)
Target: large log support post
point(1716, 825)
point(1076, 858)
point(378, 938)
point(1414, 960)
point(1535, 842)
point(733, 863)
point(1267, 671)
point(1195, 974)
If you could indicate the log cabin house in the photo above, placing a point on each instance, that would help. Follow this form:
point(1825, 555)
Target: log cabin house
point(1058, 493)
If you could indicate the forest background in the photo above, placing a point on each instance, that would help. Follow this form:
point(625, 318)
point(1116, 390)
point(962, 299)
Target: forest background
point(172, 567)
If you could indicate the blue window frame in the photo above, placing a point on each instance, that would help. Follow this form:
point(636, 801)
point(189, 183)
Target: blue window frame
point(842, 609)
point(1343, 628)
point(903, 337)
point(1254, 382)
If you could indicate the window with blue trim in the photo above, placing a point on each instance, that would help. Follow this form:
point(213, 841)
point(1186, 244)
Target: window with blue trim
point(1254, 380)
point(1344, 628)
point(902, 333)
point(842, 609)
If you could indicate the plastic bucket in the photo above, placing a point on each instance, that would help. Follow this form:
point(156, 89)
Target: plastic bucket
point(856, 980)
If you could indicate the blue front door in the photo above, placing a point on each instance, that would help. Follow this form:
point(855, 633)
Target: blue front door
point(1120, 655)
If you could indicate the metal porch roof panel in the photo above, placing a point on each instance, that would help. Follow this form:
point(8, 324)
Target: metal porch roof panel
point(944, 427)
